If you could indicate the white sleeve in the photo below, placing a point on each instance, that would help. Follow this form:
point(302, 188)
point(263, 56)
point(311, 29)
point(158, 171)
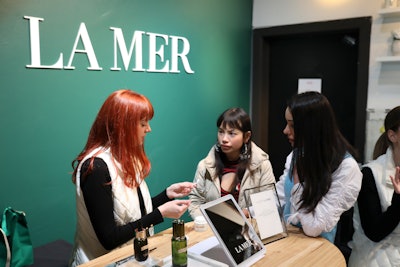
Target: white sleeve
point(343, 193)
point(281, 183)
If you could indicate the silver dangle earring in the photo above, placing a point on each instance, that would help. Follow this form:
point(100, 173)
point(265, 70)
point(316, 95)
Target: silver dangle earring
point(244, 154)
point(217, 147)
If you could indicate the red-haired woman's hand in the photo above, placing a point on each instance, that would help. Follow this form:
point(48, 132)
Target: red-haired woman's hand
point(174, 209)
point(180, 189)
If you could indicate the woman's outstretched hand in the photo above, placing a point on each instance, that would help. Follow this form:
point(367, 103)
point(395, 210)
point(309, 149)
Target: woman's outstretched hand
point(174, 209)
point(180, 189)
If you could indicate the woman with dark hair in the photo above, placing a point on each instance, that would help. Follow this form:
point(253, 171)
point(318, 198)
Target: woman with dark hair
point(321, 179)
point(376, 219)
point(232, 165)
point(112, 198)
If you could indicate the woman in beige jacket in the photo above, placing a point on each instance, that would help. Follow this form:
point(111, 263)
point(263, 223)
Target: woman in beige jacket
point(233, 164)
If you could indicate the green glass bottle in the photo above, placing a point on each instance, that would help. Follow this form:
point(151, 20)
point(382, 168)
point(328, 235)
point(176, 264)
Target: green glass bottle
point(179, 244)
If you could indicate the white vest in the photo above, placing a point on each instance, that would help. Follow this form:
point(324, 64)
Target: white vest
point(126, 209)
point(386, 252)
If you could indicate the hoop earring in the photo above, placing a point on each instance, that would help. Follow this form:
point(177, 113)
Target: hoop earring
point(244, 154)
point(217, 147)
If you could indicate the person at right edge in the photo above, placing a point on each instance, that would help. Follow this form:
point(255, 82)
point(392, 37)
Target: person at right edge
point(376, 239)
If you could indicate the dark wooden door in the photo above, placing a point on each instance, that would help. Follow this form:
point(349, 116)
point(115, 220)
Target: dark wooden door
point(330, 51)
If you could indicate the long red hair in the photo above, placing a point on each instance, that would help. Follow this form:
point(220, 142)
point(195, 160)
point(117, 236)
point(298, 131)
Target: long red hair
point(116, 128)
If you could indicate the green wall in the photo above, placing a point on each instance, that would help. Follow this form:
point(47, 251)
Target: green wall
point(46, 114)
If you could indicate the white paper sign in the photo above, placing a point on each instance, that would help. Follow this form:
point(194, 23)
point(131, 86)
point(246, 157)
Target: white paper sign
point(309, 85)
point(266, 213)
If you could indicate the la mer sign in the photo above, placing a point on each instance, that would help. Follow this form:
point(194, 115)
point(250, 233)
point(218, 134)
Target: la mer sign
point(155, 54)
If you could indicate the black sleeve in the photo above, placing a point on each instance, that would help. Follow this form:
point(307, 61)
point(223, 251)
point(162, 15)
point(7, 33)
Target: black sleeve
point(375, 223)
point(160, 199)
point(98, 198)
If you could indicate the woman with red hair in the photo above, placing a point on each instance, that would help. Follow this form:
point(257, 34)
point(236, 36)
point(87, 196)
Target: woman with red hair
point(112, 197)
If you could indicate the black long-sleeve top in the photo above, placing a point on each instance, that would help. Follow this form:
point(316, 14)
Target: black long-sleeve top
point(97, 193)
point(377, 224)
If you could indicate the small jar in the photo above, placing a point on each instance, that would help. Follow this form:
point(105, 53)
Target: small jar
point(200, 224)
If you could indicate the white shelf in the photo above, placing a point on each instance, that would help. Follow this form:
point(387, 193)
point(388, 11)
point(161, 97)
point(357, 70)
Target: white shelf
point(389, 59)
point(386, 13)
point(390, 12)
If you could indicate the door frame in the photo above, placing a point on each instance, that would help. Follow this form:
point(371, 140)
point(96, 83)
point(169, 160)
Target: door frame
point(261, 66)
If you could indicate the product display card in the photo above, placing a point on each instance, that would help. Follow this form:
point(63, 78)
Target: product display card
point(266, 213)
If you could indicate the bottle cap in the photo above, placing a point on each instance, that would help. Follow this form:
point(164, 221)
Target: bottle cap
point(178, 228)
point(141, 234)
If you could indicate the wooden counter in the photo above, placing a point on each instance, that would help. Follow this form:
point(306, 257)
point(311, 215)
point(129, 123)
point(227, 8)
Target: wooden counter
point(294, 250)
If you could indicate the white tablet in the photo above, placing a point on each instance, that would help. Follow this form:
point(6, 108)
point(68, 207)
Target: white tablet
point(236, 237)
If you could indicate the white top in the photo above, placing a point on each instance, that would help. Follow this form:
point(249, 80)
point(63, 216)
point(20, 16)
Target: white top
point(385, 253)
point(343, 193)
point(126, 203)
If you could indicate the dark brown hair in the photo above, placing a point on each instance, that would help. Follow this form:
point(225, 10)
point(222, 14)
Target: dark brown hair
point(319, 146)
point(392, 122)
point(235, 118)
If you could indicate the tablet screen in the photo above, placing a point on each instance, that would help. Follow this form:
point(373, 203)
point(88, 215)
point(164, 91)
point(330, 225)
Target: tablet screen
point(233, 230)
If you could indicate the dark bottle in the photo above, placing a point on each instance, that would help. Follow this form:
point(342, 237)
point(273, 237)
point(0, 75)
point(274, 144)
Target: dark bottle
point(179, 244)
point(140, 245)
